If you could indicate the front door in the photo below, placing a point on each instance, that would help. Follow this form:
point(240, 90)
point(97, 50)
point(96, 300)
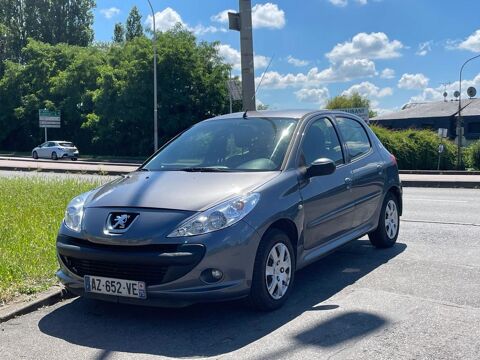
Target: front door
point(327, 201)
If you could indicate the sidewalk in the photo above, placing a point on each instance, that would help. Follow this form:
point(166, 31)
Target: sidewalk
point(422, 179)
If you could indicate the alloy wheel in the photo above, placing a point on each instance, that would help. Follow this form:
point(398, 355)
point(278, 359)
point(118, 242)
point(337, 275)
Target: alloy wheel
point(278, 271)
point(391, 219)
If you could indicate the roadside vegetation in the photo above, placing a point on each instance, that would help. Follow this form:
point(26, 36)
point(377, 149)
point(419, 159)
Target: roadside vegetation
point(31, 210)
point(472, 156)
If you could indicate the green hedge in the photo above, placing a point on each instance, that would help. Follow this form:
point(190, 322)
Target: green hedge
point(472, 156)
point(417, 149)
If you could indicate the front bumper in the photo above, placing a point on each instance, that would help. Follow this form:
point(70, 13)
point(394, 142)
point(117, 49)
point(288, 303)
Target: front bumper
point(171, 268)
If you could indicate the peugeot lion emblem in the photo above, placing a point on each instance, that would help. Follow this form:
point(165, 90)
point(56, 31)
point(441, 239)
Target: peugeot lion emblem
point(118, 223)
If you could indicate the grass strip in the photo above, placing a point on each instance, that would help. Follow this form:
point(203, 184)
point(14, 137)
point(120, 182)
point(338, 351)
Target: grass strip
point(31, 211)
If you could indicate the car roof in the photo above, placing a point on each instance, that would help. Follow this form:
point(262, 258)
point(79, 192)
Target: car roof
point(289, 114)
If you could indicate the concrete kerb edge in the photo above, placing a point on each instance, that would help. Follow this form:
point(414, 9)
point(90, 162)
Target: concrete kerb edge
point(61, 171)
point(47, 298)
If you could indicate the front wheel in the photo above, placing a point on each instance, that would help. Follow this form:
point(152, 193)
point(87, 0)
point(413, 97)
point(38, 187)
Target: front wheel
point(54, 156)
point(386, 233)
point(274, 271)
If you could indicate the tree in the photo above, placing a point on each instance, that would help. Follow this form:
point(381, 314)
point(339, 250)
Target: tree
point(50, 21)
point(134, 24)
point(355, 100)
point(118, 33)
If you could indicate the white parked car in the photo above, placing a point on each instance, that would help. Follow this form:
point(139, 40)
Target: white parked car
point(56, 150)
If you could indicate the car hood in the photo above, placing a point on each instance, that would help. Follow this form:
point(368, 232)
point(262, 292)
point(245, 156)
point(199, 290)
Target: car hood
point(176, 190)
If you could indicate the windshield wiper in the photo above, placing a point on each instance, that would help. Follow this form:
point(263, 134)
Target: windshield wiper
point(204, 169)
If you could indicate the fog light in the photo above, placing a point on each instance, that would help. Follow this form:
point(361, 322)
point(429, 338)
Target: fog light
point(217, 274)
point(211, 275)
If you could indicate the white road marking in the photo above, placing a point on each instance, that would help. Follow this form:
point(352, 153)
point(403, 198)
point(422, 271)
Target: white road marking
point(435, 200)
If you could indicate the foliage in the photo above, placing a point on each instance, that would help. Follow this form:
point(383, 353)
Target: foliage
point(472, 155)
point(105, 92)
point(417, 149)
point(355, 100)
point(31, 210)
point(118, 33)
point(50, 21)
point(134, 24)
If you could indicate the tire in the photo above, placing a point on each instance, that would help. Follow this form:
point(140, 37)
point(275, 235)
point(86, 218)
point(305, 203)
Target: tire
point(54, 156)
point(386, 234)
point(74, 159)
point(261, 298)
point(35, 155)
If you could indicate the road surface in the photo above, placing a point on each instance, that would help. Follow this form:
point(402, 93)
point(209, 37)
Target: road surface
point(418, 300)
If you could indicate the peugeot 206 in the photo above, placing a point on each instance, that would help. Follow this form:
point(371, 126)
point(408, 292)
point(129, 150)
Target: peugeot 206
point(232, 208)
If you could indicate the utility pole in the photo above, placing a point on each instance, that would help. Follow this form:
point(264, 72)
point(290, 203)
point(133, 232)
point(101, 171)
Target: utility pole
point(242, 22)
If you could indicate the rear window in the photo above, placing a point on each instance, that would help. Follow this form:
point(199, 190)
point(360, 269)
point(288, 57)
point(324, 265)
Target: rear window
point(66, 144)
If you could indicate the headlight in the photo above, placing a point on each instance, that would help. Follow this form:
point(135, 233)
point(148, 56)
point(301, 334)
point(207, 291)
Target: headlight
point(74, 212)
point(218, 217)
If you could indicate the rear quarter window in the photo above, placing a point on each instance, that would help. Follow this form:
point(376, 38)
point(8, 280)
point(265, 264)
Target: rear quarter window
point(355, 137)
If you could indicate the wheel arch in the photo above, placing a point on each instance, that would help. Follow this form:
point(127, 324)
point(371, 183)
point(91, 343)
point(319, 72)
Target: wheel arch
point(288, 227)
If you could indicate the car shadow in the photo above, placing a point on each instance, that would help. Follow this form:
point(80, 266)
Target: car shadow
point(218, 328)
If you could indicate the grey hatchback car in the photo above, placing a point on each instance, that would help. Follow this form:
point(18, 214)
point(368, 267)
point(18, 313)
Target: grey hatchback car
point(231, 208)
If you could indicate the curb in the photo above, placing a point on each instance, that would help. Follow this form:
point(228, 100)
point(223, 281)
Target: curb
point(69, 171)
point(442, 184)
point(79, 161)
point(438, 172)
point(46, 298)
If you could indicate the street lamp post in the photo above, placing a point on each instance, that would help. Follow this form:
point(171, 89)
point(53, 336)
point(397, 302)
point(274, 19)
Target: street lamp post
point(155, 106)
point(460, 120)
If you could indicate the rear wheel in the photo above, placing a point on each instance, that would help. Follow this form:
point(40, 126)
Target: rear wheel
point(35, 155)
point(274, 271)
point(386, 233)
point(54, 156)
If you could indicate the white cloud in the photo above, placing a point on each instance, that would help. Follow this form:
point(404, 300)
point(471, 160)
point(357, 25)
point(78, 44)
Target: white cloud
point(472, 43)
point(297, 62)
point(369, 90)
point(424, 48)
point(413, 81)
point(267, 15)
point(165, 19)
point(314, 96)
point(222, 17)
point(366, 46)
point(436, 94)
point(110, 12)
point(339, 3)
point(348, 70)
point(232, 56)
point(387, 73)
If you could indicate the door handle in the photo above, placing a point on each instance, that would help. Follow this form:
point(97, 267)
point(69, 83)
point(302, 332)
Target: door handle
point(348, 181)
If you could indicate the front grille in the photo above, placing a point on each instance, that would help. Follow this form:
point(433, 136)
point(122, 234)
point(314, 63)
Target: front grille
point(150, 274)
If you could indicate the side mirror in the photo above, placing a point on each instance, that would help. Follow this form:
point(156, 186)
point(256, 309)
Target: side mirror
point(321, 167)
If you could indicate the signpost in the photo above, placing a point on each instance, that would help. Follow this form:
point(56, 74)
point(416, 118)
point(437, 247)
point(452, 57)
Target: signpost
point(442, 133)
point(235, 91)
point(48, 119)
point(360, 112)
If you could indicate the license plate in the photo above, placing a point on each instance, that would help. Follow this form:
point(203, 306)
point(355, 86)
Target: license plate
point(117, 287)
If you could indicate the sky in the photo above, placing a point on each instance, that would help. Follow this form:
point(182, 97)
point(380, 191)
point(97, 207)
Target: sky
point(392, 51)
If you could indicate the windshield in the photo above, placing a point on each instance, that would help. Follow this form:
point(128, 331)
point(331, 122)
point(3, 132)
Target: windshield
point(253, 144)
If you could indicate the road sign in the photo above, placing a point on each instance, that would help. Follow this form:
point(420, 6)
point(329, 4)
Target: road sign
point(234, 21)
point(49, 119)
point(441, 148)
point(235, 90)
point(360, 112)
point(442, 132)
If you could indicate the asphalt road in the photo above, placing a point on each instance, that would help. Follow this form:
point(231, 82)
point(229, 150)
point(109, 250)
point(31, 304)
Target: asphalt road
point(418, 300)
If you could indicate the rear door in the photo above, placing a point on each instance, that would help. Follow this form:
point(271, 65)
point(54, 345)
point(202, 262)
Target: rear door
point(367, 169)
point(327, 201)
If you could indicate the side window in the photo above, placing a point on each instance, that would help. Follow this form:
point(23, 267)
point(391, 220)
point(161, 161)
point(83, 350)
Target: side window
point(51, 144)
point(354, 136)
point(321, 141)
